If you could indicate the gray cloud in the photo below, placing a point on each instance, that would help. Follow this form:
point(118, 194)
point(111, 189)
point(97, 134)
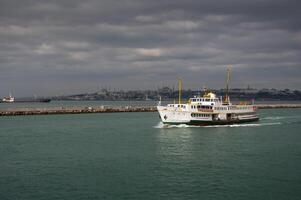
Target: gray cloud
point(56, 47)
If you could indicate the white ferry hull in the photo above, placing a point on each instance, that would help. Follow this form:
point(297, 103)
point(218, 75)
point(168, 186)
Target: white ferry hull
point(179, 116)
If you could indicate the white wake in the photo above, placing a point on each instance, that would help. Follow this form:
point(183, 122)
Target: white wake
point(161, 125)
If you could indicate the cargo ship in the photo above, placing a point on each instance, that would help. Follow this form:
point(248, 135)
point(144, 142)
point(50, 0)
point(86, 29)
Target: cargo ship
point(42, 100)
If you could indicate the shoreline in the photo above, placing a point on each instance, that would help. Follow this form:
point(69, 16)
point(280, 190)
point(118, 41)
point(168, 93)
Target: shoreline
point(108, 109)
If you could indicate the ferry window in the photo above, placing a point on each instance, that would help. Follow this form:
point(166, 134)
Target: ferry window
point(193, 100)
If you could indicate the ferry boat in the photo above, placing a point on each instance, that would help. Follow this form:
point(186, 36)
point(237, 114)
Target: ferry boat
point(207, 110)
point(8, 99)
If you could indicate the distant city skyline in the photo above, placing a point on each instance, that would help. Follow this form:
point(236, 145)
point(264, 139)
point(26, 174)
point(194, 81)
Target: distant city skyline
point(61, 47)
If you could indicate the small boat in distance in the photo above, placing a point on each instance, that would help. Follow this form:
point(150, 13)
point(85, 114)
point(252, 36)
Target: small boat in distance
point(8, 99)
point(11, 99)
point(207, 110)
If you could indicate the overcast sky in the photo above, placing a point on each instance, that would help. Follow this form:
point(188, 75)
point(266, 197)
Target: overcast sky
point(57, 47)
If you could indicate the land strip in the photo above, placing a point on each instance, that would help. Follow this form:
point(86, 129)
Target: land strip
point(107, 109)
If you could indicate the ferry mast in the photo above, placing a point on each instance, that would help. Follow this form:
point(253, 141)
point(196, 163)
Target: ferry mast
point(227, 99)
point(180, 88)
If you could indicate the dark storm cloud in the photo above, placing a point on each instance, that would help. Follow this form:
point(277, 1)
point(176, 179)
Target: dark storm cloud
point(50, 47)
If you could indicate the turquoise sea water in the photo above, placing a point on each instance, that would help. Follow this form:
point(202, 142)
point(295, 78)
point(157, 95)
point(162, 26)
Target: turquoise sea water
point(132, 156)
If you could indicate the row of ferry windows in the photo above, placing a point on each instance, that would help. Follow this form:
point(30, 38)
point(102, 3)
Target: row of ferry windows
point(201, 107)
point(179, 106)
point(220, 108)
point(209, 100)
point(231, 108)
point(199, 115)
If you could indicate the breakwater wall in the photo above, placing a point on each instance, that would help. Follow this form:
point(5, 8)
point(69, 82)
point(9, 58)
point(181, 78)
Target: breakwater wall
point(106, 109)
point(74, 110)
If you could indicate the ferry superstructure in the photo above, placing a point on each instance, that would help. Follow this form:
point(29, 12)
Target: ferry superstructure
point(207, 110)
